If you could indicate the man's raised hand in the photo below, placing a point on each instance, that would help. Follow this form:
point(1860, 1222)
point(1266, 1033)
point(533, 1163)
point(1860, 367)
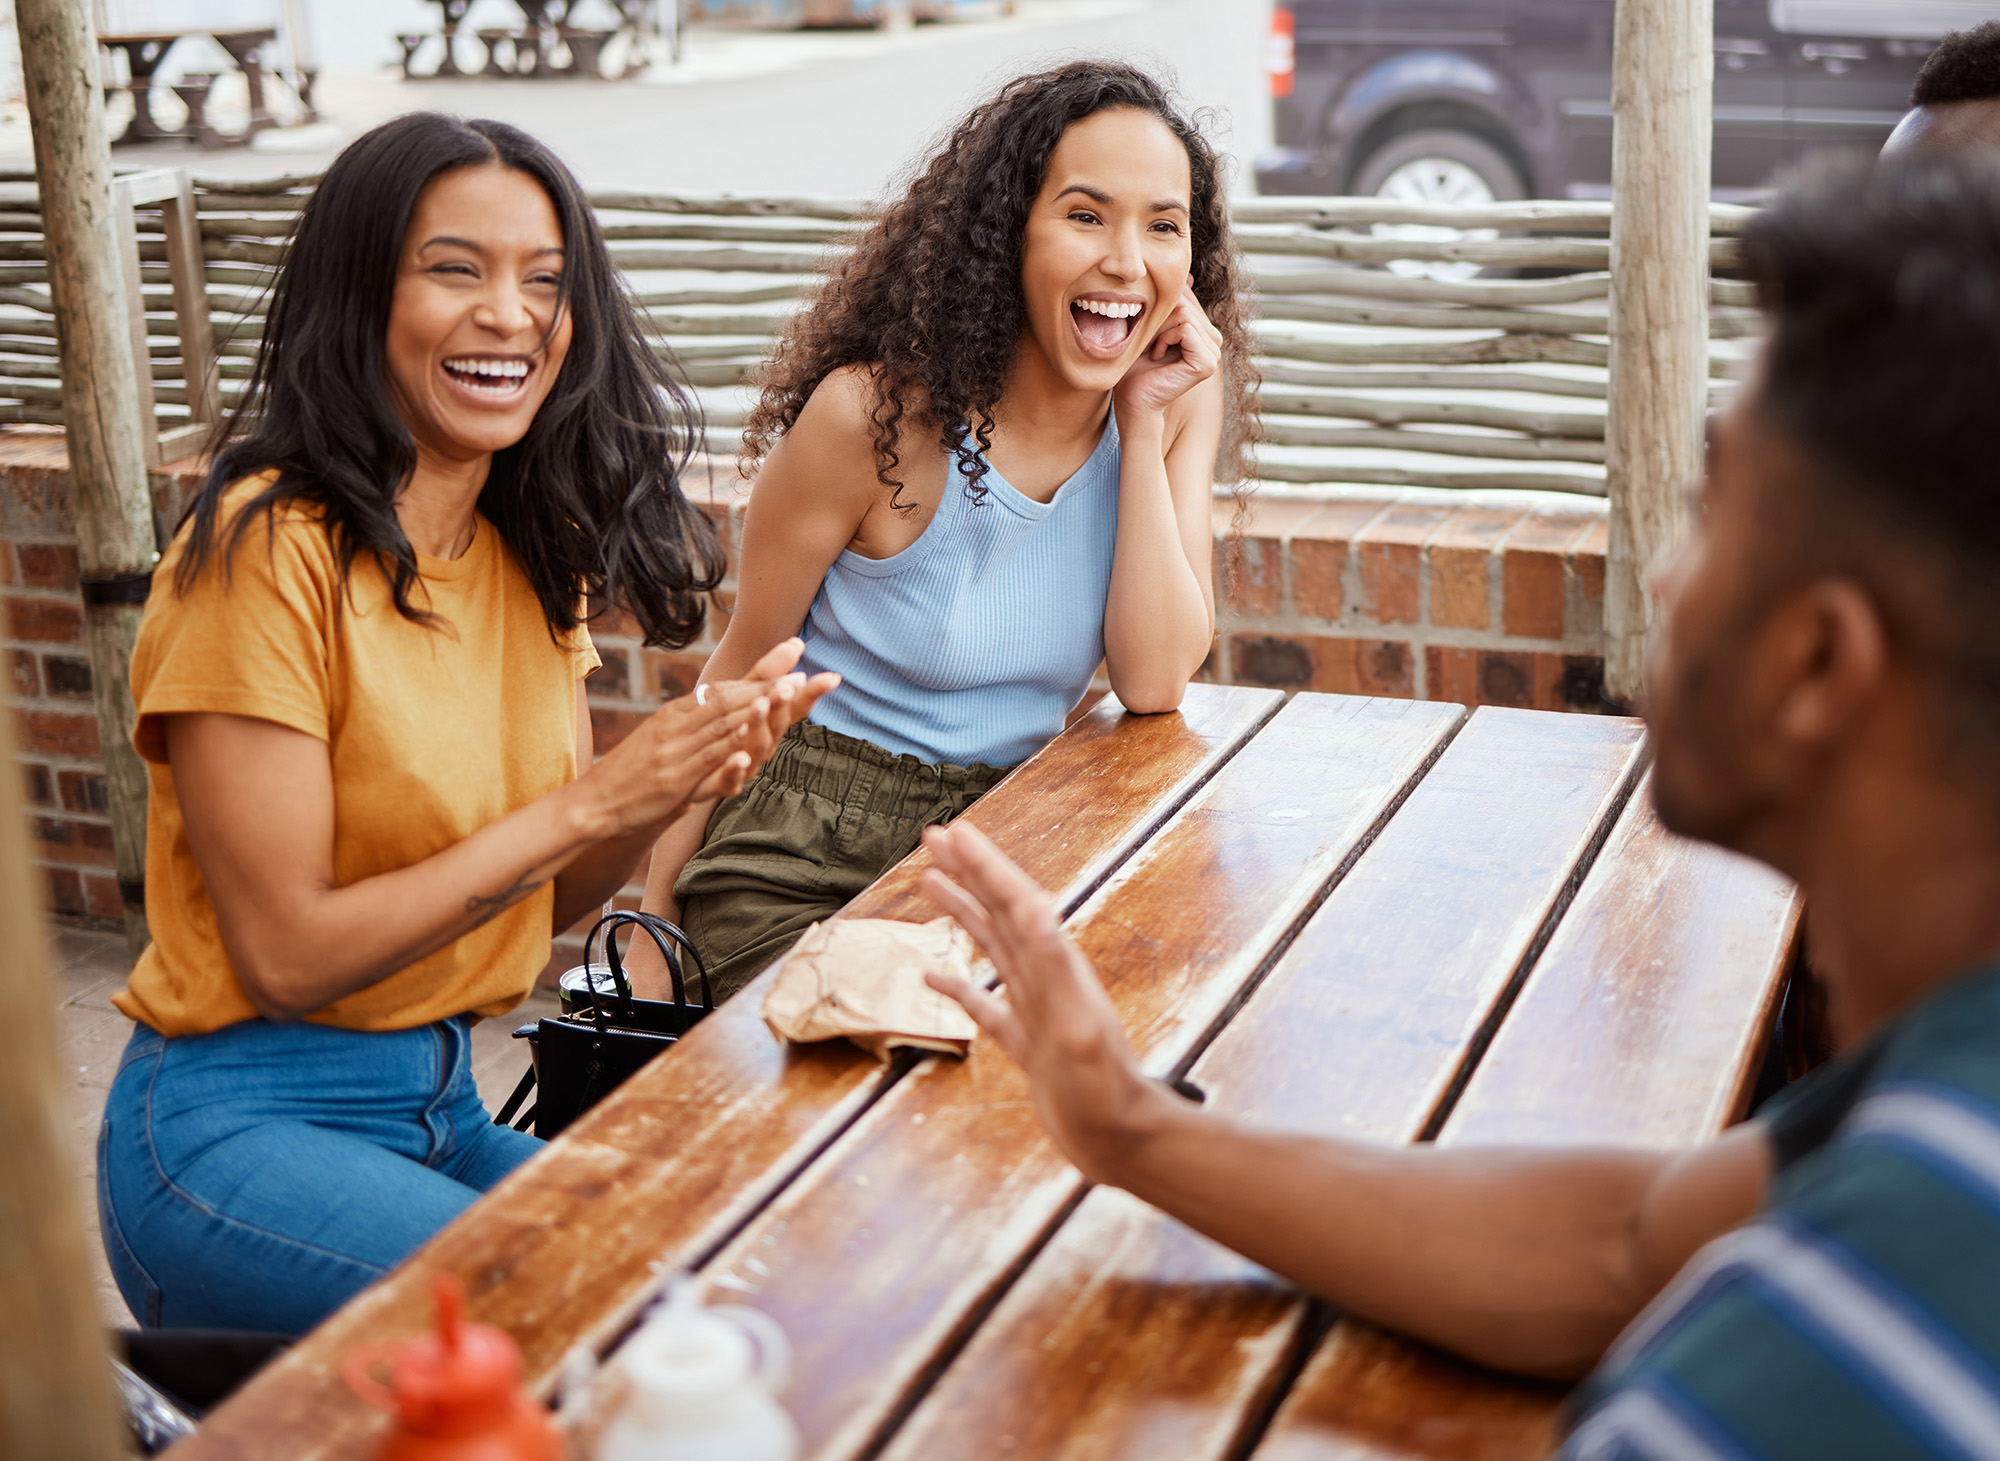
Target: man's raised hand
point(1056, 1020)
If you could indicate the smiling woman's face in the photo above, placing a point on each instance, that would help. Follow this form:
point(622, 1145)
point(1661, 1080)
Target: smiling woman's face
point(1108, 245)
point(471, 351)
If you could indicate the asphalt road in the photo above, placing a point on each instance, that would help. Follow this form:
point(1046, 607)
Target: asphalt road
point(829, 113)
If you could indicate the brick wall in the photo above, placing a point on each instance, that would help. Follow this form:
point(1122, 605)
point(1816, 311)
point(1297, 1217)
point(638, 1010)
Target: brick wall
point(48, 681)
point(1481, 598)
point(1486, 599)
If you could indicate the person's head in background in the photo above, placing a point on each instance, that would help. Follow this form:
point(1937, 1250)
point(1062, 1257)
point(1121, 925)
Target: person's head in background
point(1956, 99)
point(1825, 694)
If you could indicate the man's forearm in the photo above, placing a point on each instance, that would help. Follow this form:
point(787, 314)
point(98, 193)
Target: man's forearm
point(1527, 1260)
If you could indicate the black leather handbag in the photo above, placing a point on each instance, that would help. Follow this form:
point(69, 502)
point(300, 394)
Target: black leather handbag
point(603, 1034)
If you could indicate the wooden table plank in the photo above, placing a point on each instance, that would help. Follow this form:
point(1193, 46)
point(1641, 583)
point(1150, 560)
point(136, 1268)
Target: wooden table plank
point(1131, 1335)
point(1642, 1025)
point(893, 1244)
point(570, 1246)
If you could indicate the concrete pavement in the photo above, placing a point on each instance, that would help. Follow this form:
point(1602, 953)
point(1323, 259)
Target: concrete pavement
point(835, 113)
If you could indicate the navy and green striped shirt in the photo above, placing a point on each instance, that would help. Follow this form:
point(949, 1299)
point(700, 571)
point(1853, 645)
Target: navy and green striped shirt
point(1859, 1314)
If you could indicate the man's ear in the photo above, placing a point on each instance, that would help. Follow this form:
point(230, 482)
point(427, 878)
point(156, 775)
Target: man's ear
point(1827, 652)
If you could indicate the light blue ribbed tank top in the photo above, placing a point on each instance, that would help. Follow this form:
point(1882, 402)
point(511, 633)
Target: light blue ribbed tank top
point(973, 643)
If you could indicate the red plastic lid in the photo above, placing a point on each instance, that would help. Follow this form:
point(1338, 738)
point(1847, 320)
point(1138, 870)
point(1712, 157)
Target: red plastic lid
point(461, 1379)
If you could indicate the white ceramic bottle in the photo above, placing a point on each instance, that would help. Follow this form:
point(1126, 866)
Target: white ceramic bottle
point(697, 1387)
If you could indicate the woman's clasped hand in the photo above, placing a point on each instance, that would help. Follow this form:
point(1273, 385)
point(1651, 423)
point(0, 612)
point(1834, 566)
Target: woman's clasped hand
point(699, 747)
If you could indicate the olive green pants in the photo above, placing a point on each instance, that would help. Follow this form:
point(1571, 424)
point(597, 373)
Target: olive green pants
point(826, 816)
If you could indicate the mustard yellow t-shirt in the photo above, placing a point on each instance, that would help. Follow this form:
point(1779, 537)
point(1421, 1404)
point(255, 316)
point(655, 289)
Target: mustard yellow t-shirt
point(432, 732)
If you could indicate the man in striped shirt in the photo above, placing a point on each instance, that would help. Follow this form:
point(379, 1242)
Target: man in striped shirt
point(1822, 1281)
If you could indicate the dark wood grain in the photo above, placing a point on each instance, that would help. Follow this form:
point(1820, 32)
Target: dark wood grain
point(568, 1248)
point(1359, 1030)
point(1642, 1025)
point(881, 1256)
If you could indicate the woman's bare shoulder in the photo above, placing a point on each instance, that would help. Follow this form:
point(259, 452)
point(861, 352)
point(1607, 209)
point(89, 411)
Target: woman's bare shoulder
point(848, 402)
point(836, 430)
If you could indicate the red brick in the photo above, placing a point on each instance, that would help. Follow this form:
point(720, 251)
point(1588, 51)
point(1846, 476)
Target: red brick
point(38, 785)
point(1586, 564)
point(1506, 677)
point(59, 733)
point(48, 565)
point(51, 621)
point(65, 890)
point(1390, 551)
point(101, 898)
point(74, 842)
point(1320, 549)
point(6, 562)
point(1548, 675)
point(1381, 666)
point(1259, 586)
point(66, 675)
point(1451, 674)
point(1460, 556)
point(609, 726)
point(83, 791)
point(1334, 665)
point(23, 678)
point(1276, 660)
point(1532, 564)
point(671, 674)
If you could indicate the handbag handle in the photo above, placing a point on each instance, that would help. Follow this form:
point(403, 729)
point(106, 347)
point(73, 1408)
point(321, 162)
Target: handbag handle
point(664, 935)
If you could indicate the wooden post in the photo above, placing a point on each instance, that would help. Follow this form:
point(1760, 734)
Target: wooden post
point(1662, 82)
point(104, 430)
point(56, 1400)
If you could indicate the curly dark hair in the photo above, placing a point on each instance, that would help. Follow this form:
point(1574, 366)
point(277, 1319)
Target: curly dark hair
point(930, 299)
point(1964, 67)
point(589, 501)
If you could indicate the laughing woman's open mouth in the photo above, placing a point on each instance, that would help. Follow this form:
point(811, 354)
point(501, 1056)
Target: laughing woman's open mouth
point(1104, 323)
point(500, 377)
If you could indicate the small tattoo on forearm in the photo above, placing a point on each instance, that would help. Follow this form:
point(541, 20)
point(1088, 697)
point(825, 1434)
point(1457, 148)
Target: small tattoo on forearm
point(491, 907)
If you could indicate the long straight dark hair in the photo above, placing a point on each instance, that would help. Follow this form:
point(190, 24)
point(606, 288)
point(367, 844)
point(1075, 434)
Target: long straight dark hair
point(589, 501)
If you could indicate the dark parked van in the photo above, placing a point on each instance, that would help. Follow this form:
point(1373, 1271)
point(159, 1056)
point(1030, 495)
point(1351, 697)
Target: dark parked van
point(1475, 100)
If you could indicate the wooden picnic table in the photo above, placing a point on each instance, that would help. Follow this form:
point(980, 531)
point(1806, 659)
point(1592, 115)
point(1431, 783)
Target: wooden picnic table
point(145, 52)
point(1384, 918)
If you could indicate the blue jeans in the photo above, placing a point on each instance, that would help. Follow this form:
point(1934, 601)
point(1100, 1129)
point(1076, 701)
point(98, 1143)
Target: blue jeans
point(260, 1176)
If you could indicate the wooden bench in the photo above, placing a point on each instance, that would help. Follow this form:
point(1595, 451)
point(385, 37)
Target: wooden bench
point(572, 1245)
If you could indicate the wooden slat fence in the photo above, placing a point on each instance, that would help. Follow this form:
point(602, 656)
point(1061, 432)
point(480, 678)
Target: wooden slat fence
point(1401, 344)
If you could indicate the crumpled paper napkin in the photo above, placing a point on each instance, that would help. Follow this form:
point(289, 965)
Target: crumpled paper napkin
point(864, 978)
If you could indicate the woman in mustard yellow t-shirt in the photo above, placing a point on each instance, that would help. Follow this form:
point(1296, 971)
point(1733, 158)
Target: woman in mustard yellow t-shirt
point(359, 686)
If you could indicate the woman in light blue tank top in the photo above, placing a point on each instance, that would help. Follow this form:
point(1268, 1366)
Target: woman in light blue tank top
point(988, 452)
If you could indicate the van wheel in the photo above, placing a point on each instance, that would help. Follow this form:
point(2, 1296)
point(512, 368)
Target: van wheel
point(1453, 168)
point(1439, 166)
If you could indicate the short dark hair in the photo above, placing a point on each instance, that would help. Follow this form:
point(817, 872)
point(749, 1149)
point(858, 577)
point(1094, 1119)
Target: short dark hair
point(589, 500)
point(1964, 67)
point(1882, 288)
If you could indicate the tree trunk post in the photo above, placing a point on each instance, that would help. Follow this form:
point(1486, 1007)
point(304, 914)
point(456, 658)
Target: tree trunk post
point(103, 426)
point(56, 1399)
point(1662, 85)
